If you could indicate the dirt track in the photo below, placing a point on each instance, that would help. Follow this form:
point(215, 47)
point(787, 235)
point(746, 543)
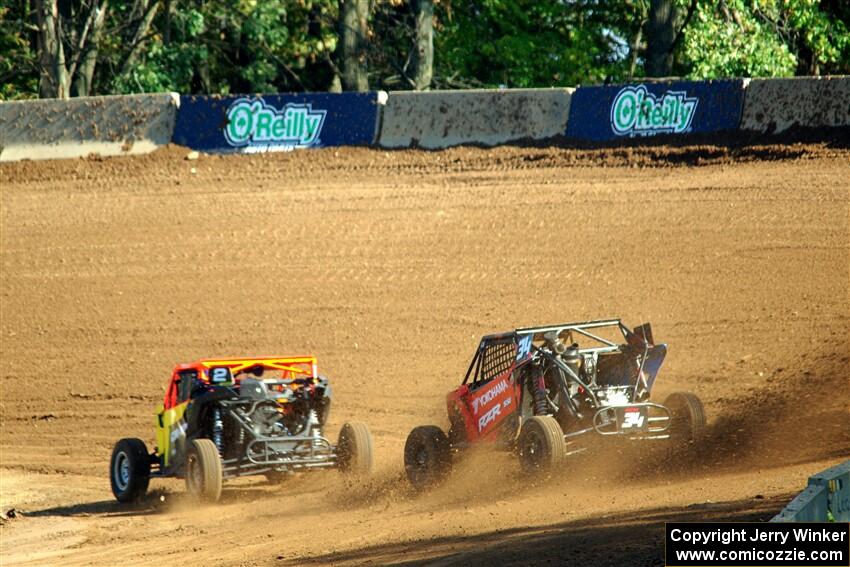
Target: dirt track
point(389, 266)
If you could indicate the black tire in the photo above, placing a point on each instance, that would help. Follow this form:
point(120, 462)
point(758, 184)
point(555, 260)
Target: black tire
point(203, 470)
point(354, 449)
point(427, 456)
point(687, 417)
point(129, 470)
point(541, 444)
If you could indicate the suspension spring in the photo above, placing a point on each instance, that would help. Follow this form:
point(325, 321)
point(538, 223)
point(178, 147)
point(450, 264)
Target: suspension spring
point(313, 419)
point(540, 405)
point(218, 430)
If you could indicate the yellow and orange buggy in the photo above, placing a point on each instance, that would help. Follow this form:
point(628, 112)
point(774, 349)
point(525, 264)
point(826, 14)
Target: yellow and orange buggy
point(232, 417)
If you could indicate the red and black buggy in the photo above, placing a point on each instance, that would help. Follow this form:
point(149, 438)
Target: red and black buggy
point(541, 391)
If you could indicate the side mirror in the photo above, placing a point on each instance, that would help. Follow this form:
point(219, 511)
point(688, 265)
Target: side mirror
point(160, 409)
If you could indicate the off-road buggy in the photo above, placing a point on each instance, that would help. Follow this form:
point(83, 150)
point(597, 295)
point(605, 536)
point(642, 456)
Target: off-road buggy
point(546, 392)
point(227, 418)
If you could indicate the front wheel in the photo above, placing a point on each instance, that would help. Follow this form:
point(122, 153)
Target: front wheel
point(203, 470)
point(687, 417)
point(129, 470)
point(541, 444)
point(427, 456)
point(354, 449)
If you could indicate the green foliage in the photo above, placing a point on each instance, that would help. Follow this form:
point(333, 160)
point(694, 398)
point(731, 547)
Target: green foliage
point(247, 46)
point(765, 38)
point(18, 72)
point(223, 47)
point(741, 47)
point(525, 43)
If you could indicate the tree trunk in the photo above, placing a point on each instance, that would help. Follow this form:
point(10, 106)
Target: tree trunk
point(661, 35)
point(53, 82)
point(635, 50)
point(353, 30)
point(139, 37)
point(166, 35)
point(422, 60)
point(85, 71)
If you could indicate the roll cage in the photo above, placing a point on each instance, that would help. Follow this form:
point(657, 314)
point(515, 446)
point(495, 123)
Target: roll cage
point(503, 352)
point(227, 372)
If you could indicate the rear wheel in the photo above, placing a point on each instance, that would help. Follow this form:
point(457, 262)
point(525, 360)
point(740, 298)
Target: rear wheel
point(541, 444)
point(129, 470)
point(354, 449)
point(687, 417)
point(203, 470)
point(427, 456)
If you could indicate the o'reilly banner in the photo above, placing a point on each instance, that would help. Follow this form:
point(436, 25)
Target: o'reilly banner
point(608, 113)
point(255, 124)
point(276, 122)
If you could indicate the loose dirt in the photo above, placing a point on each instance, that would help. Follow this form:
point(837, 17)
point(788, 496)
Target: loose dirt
point(389, 266)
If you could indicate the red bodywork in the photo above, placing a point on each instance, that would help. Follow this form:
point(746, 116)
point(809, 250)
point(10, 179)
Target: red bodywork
point(484, 409)
point(480, 408)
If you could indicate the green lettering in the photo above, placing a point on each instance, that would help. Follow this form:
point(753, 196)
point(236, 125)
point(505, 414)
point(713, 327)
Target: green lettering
point(277, 128)
point(312, 122)
point(264, 119)
point(656, 116)
point(686, 115)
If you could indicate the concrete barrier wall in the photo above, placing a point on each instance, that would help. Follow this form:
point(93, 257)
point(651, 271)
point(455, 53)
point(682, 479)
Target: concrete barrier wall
point(439, 119)
point(132, 124)
point(826, 498)
point(110, 125)
point(775, 105)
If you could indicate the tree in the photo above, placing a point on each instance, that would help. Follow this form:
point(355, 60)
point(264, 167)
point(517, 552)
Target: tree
point(422, 52)
point(216, 46)
point(77, 47)
point(83, 81)
point(662, 35)
point(18, 58)
point(353, 44)
point(401, 47)
point(533, 43)
point(768, 38)
point(66, 30)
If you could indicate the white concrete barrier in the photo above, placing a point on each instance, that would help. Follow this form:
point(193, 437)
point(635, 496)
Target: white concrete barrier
point(109, 125)
point(775, 105)
point(825, 499)
point(439, 119)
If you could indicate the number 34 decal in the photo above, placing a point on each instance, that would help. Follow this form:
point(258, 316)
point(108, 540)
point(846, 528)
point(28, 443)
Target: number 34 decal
point(523, 348)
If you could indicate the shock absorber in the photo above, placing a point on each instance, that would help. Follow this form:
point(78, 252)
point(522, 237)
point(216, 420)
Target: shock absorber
point(314, 423)
point(540, 405)
point(217, 430)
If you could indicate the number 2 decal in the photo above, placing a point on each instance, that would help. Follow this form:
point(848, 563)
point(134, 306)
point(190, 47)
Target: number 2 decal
point(219, 374)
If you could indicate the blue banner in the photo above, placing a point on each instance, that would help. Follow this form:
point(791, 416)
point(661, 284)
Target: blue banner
point(607, 113)
point(276, 122)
